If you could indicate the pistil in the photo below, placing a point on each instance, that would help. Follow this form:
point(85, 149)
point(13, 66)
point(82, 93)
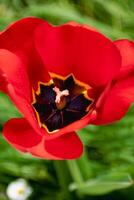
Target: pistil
point(60, 97)
point(60, 94)
point(61, 103)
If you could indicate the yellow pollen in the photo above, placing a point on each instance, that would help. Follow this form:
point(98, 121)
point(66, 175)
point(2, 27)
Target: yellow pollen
point(60, 94)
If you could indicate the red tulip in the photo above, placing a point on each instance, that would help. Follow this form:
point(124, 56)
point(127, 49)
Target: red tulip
point(62, 78)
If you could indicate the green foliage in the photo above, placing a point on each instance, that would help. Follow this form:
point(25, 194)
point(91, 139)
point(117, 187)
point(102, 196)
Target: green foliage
point(107, 164)
point(103, 184)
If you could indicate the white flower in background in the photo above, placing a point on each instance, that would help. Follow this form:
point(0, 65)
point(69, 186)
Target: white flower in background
point(19, 190)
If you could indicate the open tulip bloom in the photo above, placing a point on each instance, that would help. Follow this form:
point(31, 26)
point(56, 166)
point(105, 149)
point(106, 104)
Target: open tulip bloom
point(62, 78)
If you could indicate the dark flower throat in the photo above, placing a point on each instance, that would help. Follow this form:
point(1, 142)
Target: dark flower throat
point(61, 103)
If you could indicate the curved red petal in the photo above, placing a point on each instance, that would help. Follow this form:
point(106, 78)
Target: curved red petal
point(37, 72)
point(67, 146)
point(12, 71)
point(79, 124)
point(19, 34)
point(40, 151)
point(14, 82)
point(76, 49)
point(25, 108)
point(126, 49)
point(18, 38)
point(20, 135)
point(18, 132)
point(116, 99)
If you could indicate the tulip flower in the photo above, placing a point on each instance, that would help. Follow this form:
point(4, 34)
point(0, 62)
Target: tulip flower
point(62, 78)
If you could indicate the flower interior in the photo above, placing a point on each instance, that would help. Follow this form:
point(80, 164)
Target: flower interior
point(61, 102)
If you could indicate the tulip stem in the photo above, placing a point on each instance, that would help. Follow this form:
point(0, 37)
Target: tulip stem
point(75, 171)
point(84, 166)
point(76, 174)
point(64, 177)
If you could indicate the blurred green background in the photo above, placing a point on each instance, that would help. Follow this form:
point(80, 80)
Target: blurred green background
point(106, 170)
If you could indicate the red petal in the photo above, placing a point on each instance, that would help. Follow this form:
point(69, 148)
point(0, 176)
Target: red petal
point(71, 127)
point(126, 49)
point(40, 151)
point(18, 38)
point(37, 72)
point(15, 83)
point(67, 146)
point(13, 72)
point(116, 99)
point(76, 49)
point(18, 132)
point(25, 108)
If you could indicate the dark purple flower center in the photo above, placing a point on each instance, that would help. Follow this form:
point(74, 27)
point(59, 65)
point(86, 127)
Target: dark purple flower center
point(61, 103)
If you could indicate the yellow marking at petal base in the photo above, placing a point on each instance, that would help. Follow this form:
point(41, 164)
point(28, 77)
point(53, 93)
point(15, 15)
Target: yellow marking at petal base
point(38, 89)
point(34, 101)
point(53, 75)
point(87, 97)
point(43, 125)
point(86, 86)
point(50, 133)
point(80, 83)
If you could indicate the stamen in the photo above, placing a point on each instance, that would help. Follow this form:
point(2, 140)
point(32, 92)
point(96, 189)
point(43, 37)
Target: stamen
point(60, 94)
point(61, 103)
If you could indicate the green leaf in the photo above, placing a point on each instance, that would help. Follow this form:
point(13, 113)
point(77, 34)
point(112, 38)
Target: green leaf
point(103, 184)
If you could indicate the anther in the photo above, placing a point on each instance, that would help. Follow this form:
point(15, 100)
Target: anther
point(60, 94)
